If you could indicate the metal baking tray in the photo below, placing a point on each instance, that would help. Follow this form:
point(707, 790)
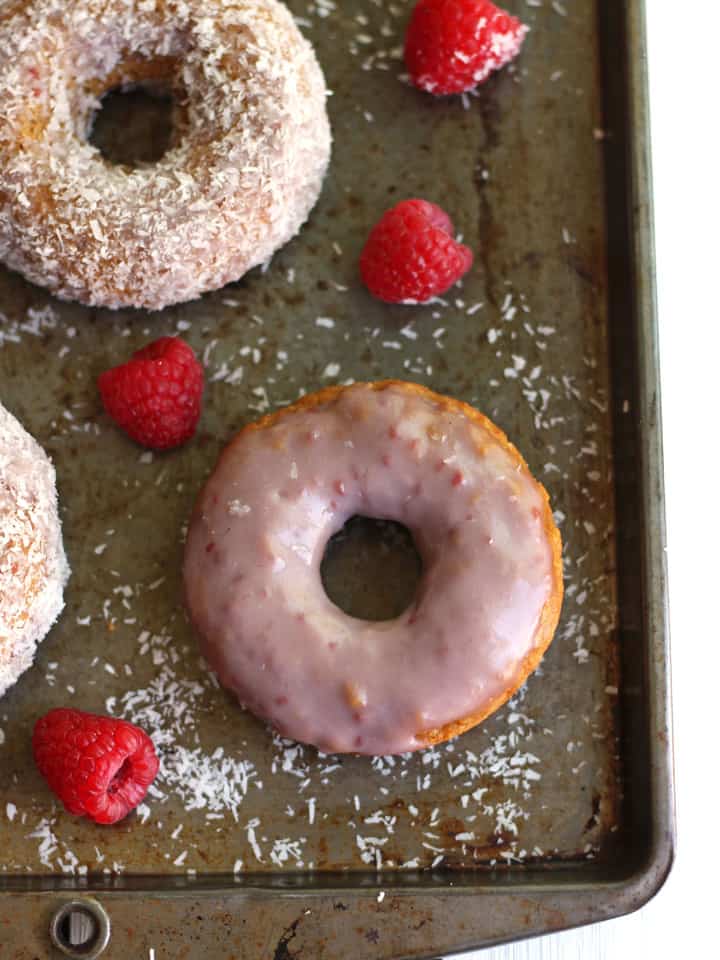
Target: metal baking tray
point(557, 811)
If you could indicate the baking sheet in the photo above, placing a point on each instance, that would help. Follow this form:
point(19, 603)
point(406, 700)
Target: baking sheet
point(521, 169)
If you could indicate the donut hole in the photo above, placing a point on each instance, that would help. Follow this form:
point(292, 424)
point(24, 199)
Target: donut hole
point(371, 568)
point(134, 125)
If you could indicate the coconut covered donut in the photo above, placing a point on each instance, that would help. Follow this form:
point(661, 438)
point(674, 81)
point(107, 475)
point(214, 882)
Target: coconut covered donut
point(489, 597)
point(33, 568)
point(252, 144)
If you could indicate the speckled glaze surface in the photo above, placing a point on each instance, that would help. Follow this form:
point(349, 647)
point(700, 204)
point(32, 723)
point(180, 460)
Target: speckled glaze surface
point(537, 814)
point(487, 601)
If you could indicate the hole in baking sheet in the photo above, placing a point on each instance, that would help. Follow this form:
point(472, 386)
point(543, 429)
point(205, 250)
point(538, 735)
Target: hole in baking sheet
point(80, 929)
point(77, 929)
point(371, 569)
point(134, 125)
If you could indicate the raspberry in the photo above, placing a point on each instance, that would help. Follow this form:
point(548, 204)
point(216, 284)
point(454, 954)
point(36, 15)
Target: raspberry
point(454, 45)
point(155, 397)
point(411, 256)
point(99, 767)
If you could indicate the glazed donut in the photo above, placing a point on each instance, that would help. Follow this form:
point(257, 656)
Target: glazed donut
point(246, 167)
point(33, 568)
point(490, 593)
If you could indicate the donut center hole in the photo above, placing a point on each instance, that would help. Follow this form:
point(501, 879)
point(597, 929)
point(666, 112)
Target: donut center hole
point(134, 125)
point(371, 568)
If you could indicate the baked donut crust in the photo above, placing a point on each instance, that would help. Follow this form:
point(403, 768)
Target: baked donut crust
point(246, 167)
point(33, 567)
point(549, 613)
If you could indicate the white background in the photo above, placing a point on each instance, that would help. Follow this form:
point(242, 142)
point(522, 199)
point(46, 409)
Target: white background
point(684, 56)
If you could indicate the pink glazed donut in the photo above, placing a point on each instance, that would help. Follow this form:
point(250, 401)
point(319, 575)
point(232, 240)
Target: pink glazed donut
point(490, 593)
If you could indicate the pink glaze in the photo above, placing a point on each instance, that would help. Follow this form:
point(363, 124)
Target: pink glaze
point(258, 534)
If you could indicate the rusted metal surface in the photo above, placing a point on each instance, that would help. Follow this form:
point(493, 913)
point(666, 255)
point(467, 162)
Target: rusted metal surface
point(556, 811)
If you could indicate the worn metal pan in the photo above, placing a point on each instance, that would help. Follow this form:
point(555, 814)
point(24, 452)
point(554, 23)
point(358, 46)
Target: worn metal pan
point(555, 812)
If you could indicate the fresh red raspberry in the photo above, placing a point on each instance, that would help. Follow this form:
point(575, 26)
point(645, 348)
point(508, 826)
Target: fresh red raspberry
point(411, 256)
point(99, 767)
point(156, 396)
point(454, 45)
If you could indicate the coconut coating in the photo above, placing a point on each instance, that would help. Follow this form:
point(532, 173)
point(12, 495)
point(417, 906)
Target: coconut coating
point(33, 567)
point(251, 147)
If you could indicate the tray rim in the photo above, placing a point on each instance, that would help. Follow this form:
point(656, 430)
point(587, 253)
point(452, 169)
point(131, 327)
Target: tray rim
point(655, 575)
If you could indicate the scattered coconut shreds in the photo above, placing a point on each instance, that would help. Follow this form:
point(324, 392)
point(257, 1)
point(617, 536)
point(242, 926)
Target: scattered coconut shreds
point(491, 791)
point(386, 812)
